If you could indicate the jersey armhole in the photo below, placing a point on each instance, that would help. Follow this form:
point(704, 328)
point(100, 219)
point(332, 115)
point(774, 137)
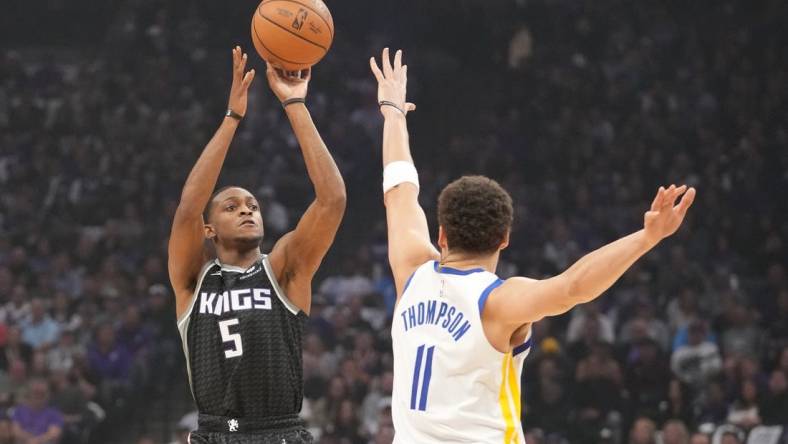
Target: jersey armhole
point(486, 293)
point(207, 266)
point(291, 307)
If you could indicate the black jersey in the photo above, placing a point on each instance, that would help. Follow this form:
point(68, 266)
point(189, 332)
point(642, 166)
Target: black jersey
point(242, 340)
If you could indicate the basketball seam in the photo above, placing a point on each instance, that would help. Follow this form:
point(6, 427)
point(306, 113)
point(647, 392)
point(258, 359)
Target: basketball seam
point(329, 26)
point(293, 33)
point(259, 39)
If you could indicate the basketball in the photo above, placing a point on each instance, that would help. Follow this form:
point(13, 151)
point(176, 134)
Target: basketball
point(292, 34)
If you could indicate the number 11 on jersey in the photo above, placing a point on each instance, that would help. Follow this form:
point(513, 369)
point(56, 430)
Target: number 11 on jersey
point(418, 399)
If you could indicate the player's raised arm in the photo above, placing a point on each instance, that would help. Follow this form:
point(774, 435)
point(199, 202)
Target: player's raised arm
point(408, 233)
point(519, 300)
point(186, 255)
point(297, 255)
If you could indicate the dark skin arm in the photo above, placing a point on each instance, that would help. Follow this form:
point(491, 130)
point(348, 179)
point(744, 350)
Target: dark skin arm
point(186, 246)
point(297, 255)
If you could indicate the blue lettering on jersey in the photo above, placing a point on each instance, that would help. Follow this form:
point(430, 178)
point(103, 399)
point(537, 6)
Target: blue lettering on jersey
point(235, 300)
point(436, 313)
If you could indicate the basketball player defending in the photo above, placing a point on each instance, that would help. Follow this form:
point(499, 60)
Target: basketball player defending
point(241, 315)
point(460, 333)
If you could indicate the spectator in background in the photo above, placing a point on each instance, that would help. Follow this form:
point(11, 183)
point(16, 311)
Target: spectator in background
point(61, 357)
point(740, 337)
point(644, 431)
point(697, 361)
point(39, 331)
point(18, 308)
point(675, 432)
point(744, 411)
point(6, 430)
point(773, 407)
point(35, 421)
point(644, 322)
point(700, 438)
point(678, 405)
point(14, 349)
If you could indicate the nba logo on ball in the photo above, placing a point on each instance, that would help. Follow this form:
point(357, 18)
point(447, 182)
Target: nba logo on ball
point(292, 34)
point(300, 19)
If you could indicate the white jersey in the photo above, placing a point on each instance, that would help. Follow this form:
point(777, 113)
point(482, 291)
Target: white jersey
point(450, 384)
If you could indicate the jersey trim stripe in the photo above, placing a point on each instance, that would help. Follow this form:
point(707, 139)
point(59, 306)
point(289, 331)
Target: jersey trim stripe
point(503, 400)
point(449, 270)
point(408, 281)
point(522, 347)
point(183, 325)
point(486, 293)
point(291, 307)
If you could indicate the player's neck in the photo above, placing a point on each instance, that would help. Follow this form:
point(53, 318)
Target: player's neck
point(464, 261)
point(238, 258)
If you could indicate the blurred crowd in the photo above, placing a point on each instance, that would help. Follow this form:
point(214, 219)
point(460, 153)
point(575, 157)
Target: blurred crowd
point(580, 109)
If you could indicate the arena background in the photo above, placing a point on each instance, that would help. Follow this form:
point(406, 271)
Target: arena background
point(581, 109)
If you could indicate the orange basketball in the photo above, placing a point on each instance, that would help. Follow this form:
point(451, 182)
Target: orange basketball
point(292, 34)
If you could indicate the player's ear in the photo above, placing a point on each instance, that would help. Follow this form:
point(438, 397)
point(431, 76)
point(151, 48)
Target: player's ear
point(210, 233)
point(443, 243)
point(505, 241)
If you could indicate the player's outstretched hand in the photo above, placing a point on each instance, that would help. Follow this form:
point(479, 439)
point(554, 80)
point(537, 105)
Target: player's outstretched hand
point(288, 84)
point(664, 217)
point(241, 82)
point(392, 82)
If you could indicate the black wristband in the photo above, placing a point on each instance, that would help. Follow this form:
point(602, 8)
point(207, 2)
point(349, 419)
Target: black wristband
point(233, 114)
point(391, 104)
point(292, 101)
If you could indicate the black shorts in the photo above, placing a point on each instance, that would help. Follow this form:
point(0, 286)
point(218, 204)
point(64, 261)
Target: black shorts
point(220, 430)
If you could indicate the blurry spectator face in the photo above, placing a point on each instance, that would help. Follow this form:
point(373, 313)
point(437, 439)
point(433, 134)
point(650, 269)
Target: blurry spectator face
point(5, 430)
point(106, 336)
point(234, 216)
point(313, 344)
point(674, 390)
point(697, 333)
point(347, 413)
point(17, 370)
point(337, 389)
point(642, 432)
point(19, 295)
point(778, 383)
point(700, 438)
point(674, 432)
point(385, 435)
point(13, 336)
point(132, 316)
point(39, 395)
point(749, 392)
point(729, 438)
point(37, 309)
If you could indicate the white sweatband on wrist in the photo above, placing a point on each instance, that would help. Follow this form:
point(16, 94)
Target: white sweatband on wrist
point(399, 172)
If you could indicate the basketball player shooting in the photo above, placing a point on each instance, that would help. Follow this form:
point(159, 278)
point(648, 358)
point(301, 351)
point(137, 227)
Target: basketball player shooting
point(460, 334)
point(241, 314)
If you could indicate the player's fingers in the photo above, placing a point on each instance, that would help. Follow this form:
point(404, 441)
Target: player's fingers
point(655, 204)
point(242, 63)
point(405, 72)
point(398, 59)
point(410, 107)
point(248, 77)
point(686, 201)
point(373, 65)
point(669, 197)
point(386, 61)
point(306, 74)
point(677, 193)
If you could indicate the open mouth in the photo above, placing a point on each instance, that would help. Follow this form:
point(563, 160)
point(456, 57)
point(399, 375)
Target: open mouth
point(248, 223)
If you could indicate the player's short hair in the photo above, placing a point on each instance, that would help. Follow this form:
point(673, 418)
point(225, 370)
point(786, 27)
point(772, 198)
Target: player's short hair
point(207, 212)
point(475, 213)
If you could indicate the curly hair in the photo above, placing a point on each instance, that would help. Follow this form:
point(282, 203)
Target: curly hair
point(476, 214)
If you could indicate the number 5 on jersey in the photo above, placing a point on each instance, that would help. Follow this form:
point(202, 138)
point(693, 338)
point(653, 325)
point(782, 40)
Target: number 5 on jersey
point(237, 346)
point(418, 399)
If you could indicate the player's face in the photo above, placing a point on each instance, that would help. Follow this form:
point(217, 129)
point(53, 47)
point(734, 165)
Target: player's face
point(235, 216)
